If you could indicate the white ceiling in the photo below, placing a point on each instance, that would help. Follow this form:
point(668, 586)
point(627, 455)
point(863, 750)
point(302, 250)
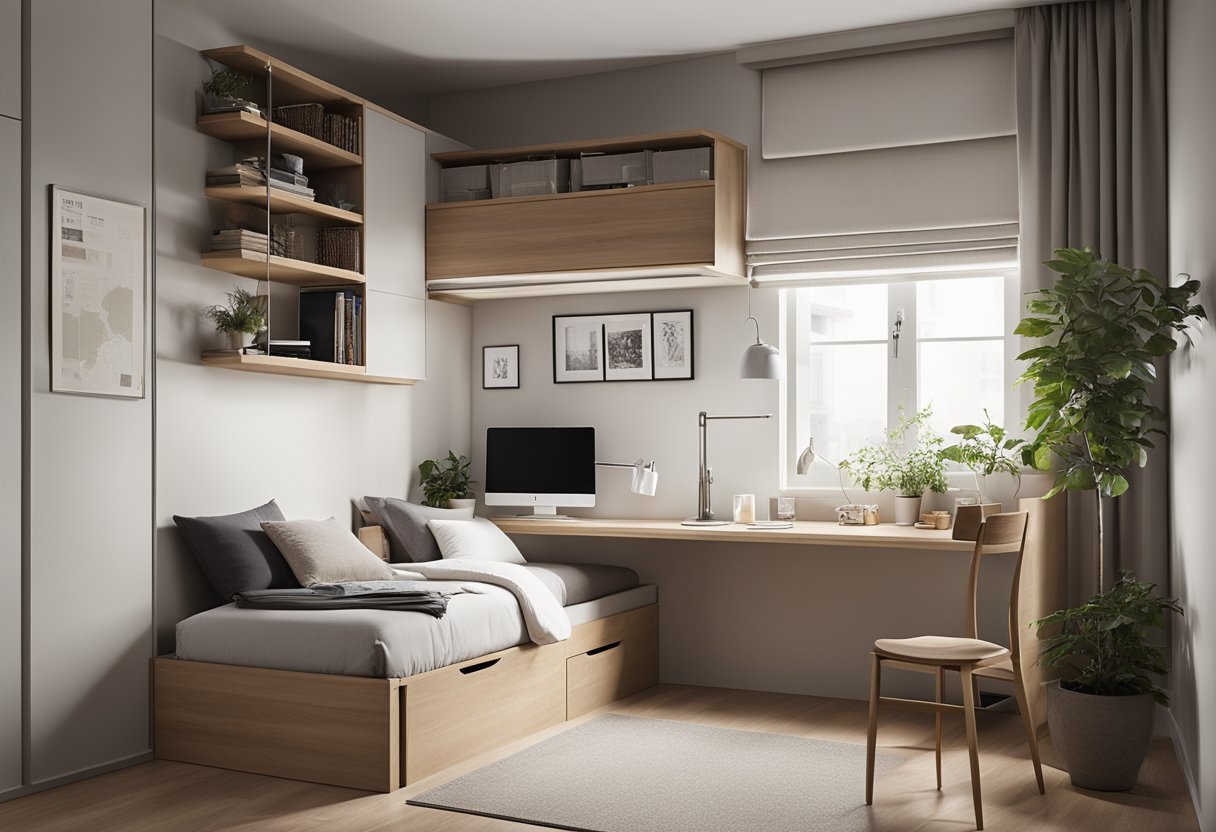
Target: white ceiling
point(385, 49)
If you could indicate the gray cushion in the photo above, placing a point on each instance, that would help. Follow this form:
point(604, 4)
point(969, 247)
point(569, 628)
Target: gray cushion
point(235, 554)
point(574, 583)
point(409, 538)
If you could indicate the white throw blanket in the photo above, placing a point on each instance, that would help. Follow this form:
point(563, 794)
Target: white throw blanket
point(546, 620)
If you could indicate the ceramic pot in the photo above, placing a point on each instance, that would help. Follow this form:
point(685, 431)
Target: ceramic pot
point(1101, 739)
point(907, 510)
point(464, 502)
point(238, 340)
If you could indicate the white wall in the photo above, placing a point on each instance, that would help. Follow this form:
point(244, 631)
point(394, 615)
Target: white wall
point(1192, 184)
point(89, 511)
point(227, 441)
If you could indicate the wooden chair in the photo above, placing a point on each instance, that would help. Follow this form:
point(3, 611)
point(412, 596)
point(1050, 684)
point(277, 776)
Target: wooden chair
point(969, 657)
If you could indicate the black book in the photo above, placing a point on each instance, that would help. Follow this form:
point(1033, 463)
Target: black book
point(317, 323)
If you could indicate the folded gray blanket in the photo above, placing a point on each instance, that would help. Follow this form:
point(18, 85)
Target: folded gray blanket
point(373, 595)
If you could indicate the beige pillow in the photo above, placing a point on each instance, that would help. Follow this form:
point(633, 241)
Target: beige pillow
point(323, 552)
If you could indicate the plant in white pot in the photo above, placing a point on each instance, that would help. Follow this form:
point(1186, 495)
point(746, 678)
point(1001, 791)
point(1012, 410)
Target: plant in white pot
point(243, 317)
point(985, 450)
point(892, 466)
point(446, 483)
point(1092, 418)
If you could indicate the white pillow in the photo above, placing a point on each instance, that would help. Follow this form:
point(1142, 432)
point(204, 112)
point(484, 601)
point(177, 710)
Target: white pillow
point(477, 538)
point(323, 552)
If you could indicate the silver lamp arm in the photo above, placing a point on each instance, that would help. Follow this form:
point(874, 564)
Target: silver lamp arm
point(705, 474)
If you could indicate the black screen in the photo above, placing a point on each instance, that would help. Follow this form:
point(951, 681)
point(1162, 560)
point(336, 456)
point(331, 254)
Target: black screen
point(540, 460)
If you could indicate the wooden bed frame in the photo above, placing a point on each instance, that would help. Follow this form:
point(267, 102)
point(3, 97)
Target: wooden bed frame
point(381, 734)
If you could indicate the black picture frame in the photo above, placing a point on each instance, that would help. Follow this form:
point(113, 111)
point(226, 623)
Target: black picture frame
point(508, 353)
point(583, 346)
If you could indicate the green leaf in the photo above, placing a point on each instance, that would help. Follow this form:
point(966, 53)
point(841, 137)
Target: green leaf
point(1034, 327)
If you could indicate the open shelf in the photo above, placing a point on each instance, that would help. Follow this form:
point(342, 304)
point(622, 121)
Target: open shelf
point(282, 202)
point(279, 365)
point(291, 85)
point(249, 131)
point(282, 269)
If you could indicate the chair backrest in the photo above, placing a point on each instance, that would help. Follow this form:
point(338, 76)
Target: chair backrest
point(998, 530)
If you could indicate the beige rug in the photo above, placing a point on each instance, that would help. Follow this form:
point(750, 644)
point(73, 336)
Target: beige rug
point(627, 774)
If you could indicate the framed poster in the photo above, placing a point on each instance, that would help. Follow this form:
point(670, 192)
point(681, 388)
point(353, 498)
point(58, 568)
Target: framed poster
point(578, 348)
point(500, 367)
point(673, 344)
point(98, 295)
point(627, 353)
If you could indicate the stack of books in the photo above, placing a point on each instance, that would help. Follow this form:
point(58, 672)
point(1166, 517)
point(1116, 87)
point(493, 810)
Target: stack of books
point(242, 173)
point(291, 349)
point(339, 248)
point(342, 132)
point(333, 324)
point(229, 239)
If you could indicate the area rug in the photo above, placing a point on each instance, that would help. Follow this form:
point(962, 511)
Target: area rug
point(628, 774)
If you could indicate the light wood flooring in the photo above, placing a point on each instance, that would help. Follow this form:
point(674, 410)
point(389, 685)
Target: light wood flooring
point(173, 796)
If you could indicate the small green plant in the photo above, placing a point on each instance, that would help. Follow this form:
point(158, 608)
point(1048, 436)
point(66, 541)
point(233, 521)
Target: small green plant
point(985, 450)
point(446, 478)
point(887, 466)
point(243, 313)
point(226, 84)
point(1100, 647)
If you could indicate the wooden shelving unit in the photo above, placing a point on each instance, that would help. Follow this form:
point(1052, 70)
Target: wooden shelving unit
point(281, 366)
point(282, 269)
point(282, 202)
point(248, 131)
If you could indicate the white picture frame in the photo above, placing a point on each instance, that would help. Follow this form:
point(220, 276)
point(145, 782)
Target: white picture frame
point(500, 367)
point(672, 334)
point(98, 295)
point(578, 348)
point(627, 352)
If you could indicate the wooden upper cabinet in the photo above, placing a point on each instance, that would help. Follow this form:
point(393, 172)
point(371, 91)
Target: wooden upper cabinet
point(644, 237)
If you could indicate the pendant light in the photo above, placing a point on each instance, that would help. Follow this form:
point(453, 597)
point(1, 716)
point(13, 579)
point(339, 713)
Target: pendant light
point(760, 360)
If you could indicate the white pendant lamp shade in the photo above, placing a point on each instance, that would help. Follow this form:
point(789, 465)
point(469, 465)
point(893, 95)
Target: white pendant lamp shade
point(761, 360)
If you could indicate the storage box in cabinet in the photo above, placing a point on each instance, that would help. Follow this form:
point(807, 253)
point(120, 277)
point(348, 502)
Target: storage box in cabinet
point(683, 165)
point(457, 712)
point(613, 170)
point(531, 178)
point(465, 183)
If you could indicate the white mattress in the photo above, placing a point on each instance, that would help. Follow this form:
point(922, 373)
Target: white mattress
point(378, 643)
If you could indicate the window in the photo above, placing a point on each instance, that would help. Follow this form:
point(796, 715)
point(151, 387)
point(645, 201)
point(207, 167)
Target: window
point(848, 376)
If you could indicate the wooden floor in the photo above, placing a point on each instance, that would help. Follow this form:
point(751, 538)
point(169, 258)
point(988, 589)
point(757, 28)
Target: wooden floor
point(174, 796)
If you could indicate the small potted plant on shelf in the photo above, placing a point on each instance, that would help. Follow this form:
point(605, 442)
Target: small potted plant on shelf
point(222, 92)
point(891, 466)
point(240, 319)
point(1092, 418)
point(446, 483)
point(985, 450)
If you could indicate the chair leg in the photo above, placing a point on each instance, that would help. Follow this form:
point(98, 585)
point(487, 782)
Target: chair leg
point(872, 735)
point(972, 746)
point(938, 724)
point(1019, 691)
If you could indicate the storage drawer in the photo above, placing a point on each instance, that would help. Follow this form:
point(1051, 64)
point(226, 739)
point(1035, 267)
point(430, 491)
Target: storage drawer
point(625, 662)
point(457, 712)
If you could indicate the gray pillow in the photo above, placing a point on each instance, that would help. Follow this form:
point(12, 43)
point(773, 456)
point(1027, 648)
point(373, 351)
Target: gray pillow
point(410, 541)
point(235, 554)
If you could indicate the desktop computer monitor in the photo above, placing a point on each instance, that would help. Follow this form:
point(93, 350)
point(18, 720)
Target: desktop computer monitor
point(540, 467)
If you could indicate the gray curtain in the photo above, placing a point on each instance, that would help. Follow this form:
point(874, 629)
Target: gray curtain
point(1092, 171)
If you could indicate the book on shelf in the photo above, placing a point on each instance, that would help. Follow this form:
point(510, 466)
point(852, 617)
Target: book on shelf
point(332, 321)
point(250, 173)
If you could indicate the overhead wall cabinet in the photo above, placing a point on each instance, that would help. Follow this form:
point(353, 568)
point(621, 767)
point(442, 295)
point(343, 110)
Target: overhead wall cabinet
point(371, 182)
point(673, 234)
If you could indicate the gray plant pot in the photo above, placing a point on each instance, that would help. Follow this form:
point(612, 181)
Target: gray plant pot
point(1101, 739)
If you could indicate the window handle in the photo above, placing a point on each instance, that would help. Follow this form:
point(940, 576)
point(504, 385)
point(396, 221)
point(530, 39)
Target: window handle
point(895, 330)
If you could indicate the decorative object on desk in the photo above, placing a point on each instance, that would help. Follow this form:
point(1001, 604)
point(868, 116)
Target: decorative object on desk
point(1101, 711)
point(870, 514)
point(631, 346)
point(851, 515)
point(705, 474)
point(645, 475)
point(500, 367)
point(744, 508)
point(760, 360)
point(787, 508)
point(934, 520)
point(241, 318)
point(98, 289)
point(985, 450)
point(445, 479)
point(890, 466)
point(222, 92)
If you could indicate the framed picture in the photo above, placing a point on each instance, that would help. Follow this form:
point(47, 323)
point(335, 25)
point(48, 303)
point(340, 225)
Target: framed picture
point(500, 367)
point(673, 344)
point(578, 348)
point(98, 292)
point(627, 346)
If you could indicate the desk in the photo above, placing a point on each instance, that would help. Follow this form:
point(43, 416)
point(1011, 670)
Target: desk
point(700, 582)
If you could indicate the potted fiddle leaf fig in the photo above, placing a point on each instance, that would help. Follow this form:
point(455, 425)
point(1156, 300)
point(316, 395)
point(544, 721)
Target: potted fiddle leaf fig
point(893, 466)
point(985, 450)
point(1102, 326)
point(446, 483)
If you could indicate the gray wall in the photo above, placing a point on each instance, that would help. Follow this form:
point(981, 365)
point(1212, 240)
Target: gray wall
point(227, 441)
point(1192, 123)
point(89, 497)
point(10, 396)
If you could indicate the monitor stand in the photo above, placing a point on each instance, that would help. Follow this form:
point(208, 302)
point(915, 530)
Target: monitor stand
point(544, 513)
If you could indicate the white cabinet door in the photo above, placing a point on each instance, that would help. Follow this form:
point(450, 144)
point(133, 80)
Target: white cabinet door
point(10, 455)
point(10, 58)
point(394, 206)
point(396, 335)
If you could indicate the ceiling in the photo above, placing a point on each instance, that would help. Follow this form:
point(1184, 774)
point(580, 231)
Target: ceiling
point(387, 49)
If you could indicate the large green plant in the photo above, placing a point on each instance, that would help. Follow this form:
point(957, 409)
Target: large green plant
point(1100, 647)
point(1103, 326)
point(887, 466)
point(244, 312)
point(446, 478)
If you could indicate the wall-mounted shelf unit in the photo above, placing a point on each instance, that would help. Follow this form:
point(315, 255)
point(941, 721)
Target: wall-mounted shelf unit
point(388, 284)
point(662, 236)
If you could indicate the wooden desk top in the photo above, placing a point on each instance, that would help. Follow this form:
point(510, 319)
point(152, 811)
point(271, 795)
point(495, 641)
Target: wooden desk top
point(804, 532)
